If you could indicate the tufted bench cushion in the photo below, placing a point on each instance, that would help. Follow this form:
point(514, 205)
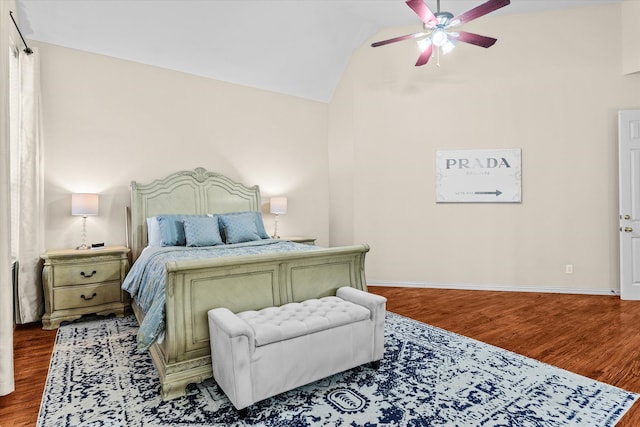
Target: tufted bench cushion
point(273, 324)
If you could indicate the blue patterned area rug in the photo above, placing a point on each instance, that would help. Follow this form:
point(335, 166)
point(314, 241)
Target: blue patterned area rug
point(428, 377)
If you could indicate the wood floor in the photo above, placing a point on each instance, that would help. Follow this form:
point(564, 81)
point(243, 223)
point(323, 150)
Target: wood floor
point(595, 336)
point(32, 352)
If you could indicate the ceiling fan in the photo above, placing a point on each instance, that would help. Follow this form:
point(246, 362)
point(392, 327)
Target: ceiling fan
point(439, 29)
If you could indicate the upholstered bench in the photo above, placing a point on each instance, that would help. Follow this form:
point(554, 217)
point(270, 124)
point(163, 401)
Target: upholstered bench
point(258, 354)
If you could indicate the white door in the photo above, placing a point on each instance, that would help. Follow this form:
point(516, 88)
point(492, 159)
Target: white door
point(629, 171)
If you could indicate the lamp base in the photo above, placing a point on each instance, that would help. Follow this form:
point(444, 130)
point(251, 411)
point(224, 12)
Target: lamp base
point(83, 246)
point(275, 229)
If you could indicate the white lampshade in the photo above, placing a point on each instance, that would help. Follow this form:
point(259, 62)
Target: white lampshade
point(278, 205)
point(84, 204)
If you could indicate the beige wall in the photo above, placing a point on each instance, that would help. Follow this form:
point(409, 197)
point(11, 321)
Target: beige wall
point(109, 121)
point(630, 28)
point(552, 86)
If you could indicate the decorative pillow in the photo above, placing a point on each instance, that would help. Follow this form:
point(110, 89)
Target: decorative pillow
point(202, 231)
point(257, 216)
point(239, 227)
point(260, 225)
point(153, 232)
point(172, 229)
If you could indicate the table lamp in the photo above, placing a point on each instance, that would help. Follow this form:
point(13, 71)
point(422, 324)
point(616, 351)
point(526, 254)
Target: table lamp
point(84, 205)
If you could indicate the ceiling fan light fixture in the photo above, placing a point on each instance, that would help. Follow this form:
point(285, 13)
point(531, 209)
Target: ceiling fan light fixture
point(423, 44)
point(447, 47)
point(439, 37)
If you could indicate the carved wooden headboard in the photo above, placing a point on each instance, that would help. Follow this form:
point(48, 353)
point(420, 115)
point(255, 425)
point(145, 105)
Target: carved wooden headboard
point(186, 192)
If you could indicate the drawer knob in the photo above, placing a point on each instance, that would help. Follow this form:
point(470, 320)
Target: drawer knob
point(86, 276)
point(88, 298)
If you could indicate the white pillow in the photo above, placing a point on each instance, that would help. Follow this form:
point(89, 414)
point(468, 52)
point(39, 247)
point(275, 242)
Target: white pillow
point(153, 232)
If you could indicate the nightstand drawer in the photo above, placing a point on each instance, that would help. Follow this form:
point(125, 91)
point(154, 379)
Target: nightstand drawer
point(81, 274)
point(86, 296)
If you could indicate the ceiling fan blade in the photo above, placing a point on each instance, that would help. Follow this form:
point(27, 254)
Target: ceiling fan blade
point(398, 39)
point(479, 11)
point(476, 39)
point(423, 12)
point(425, 56)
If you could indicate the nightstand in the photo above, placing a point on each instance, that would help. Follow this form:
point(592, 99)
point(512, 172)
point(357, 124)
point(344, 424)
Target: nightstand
point(78, 282)
point(300, 239)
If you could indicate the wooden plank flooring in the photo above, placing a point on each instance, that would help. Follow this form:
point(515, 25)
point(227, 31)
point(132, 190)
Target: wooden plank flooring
point(595, 336)
point(32, 352)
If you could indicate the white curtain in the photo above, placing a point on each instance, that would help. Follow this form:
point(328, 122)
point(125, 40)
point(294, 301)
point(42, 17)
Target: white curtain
point(7, 384)
point(27, 178)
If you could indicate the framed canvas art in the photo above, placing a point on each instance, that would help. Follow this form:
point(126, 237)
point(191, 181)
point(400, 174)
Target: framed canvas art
point(479, 176)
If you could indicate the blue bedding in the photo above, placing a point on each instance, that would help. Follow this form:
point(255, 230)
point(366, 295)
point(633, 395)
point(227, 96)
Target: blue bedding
point(146, 279)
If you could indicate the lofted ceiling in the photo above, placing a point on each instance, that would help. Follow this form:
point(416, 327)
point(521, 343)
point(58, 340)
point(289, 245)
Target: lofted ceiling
point(294, 47)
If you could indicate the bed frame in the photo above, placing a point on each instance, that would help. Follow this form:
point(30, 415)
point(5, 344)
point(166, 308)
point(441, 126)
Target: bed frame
point(239, 283)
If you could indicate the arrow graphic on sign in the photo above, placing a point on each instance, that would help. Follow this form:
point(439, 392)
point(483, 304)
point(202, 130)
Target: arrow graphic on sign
point(497, 192)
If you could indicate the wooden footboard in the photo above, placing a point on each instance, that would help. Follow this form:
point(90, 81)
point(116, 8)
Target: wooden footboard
point(239, 283)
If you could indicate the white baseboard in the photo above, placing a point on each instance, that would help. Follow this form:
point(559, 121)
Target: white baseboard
point(479, 287)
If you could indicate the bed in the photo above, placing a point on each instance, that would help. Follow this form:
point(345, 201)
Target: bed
point(243, 282)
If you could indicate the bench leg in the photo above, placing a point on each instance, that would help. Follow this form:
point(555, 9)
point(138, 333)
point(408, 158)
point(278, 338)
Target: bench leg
point(242, 413)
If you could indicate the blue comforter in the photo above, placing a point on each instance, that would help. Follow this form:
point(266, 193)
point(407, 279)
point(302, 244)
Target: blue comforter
point(146, 279)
